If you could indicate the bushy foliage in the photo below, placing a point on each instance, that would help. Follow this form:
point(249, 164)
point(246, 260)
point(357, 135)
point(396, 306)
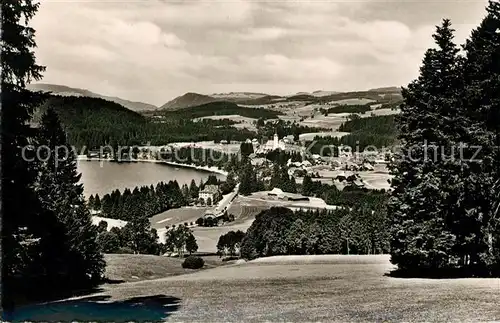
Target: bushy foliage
point(230, 243)
point(193, 262)
point(180, 239)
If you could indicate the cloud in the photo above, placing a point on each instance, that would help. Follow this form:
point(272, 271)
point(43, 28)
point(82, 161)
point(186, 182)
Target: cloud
point(154, 50)
point(263, 34)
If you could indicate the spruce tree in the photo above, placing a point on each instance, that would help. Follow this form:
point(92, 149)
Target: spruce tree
point(419, 208)
point(480, 234)
point(59, 191)
point(97, 202)
point(28, 232)
point(91, 202)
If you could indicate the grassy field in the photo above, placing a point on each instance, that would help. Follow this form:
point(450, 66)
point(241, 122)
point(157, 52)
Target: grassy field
point(130, 268)
point(177, 216)
point(292, 289)
point(322, 288)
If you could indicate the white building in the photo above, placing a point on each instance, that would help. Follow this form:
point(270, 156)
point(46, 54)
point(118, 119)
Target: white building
point(275, 142)
point(210, 192)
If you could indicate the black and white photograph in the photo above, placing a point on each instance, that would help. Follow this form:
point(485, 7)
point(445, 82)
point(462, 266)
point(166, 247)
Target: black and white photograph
point(250, 161)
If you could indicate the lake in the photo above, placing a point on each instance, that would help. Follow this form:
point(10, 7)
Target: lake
point(104, 177)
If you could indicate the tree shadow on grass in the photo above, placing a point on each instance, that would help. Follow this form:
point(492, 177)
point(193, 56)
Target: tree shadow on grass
point(443, 273)
point(153, 308)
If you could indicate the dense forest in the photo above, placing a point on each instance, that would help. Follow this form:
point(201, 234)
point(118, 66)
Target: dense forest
point(354, 108)
point(283, 128)
point(280, 231)
point(220, 108)
point(378, 131)
point(94, 122)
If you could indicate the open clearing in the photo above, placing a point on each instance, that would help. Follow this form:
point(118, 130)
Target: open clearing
point(297, 289)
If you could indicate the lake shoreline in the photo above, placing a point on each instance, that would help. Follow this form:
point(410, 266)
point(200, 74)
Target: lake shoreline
point(212, 169)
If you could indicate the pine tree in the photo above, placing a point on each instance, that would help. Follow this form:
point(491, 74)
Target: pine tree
point(97, 202)
point(191, 245)
point(91, 202)
point(28, 232)
point(307, 186)
point(59, 191)
point(139, 237)
point(193, 190)
point(480, 234)
point(419, 207)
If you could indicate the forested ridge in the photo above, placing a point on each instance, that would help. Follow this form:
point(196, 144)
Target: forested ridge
point(220, 108)
point(95, 122)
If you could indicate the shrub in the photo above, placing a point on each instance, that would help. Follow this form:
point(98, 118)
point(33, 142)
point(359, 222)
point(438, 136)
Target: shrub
point(125, 250)
point(193, 262)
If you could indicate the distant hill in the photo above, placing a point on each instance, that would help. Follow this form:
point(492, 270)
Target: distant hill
point(69, 91)
point(92, 122)
point(221, 108)
point(238, 96)
point(321, 93)
point(63, 90)
point(390, 89)
point(188, 100)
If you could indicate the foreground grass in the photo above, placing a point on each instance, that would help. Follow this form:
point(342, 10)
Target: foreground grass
point(320, 288)
point(292, 289)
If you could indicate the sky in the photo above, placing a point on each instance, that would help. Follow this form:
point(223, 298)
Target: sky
point(155, 50)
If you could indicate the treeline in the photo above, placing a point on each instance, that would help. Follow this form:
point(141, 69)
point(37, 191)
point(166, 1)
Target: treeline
point(380, 125)
point(280, 231)
point(220, 108)
point(195, 156)
point(146, 200)
point(354, 108)
point(350, 196)
point(391, 105)
point(281, 157)
point(283, 128)
point(150, 200)
point(136, 237)
point(378, 131)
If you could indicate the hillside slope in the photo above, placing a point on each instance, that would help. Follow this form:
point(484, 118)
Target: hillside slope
point(221, 108)
point(326, 288)
point(187, 100)
point(69, 91)
point(94, 121)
